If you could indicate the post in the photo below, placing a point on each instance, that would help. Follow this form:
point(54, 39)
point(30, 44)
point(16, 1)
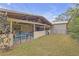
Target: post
point(11, 35)
point(34, 31)
point(10, 26)
point(44, 30)
point(34, 28)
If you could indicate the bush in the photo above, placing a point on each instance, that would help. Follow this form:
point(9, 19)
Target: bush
point(73, 28)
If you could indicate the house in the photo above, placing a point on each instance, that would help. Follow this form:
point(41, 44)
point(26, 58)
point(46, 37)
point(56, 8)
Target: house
point(59, 27)
point(25, 26)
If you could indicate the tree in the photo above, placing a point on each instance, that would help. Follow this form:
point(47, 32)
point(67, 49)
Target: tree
point(60, 17)
point(4, 26)
point(69, 14)
point(73, 26)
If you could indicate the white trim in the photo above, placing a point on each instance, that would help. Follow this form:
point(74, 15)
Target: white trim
point(60, 22)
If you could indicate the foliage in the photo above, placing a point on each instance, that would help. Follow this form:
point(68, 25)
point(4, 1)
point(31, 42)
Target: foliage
point(4, 27)
point(69, 13)
point(73, 26)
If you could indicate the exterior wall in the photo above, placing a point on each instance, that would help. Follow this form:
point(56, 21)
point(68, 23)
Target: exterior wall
point(38, 34)
point(59, 29)
point(26, 28)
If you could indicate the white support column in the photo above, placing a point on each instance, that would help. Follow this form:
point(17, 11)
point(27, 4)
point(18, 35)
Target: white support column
point(11, 35)
point(34, 27)
point(10, 26)
point(44, 29)
point(34, 31)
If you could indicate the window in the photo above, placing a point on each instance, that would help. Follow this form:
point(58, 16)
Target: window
point(39, 28)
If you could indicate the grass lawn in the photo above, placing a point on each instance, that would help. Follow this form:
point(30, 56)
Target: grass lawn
point(47, 45)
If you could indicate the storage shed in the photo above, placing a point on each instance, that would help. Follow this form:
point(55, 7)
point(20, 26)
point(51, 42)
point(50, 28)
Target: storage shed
point(59, 27)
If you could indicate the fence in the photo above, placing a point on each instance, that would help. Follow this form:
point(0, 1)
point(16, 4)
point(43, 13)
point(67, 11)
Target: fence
point(22, 37)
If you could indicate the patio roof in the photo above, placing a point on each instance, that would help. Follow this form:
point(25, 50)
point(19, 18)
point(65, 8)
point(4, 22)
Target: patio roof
point(25, 16)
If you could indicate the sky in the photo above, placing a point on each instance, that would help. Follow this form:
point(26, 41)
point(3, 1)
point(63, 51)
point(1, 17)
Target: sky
point(48, 10)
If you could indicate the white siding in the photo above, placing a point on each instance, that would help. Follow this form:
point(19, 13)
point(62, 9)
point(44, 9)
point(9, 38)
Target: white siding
point(59, 28)
point(38, 34)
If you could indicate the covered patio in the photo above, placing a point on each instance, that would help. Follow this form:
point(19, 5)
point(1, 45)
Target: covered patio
point(25, 30)
point(23, 27)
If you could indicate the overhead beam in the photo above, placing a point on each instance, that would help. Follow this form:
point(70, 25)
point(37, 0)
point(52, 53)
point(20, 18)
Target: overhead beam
point(23, 21)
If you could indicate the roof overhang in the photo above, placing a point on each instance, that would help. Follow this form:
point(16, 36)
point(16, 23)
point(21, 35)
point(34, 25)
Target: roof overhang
point(25, 16)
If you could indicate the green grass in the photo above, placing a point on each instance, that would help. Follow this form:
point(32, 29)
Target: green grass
point(47, 45)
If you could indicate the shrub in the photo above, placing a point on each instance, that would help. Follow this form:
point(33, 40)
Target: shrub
point(73, 28)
